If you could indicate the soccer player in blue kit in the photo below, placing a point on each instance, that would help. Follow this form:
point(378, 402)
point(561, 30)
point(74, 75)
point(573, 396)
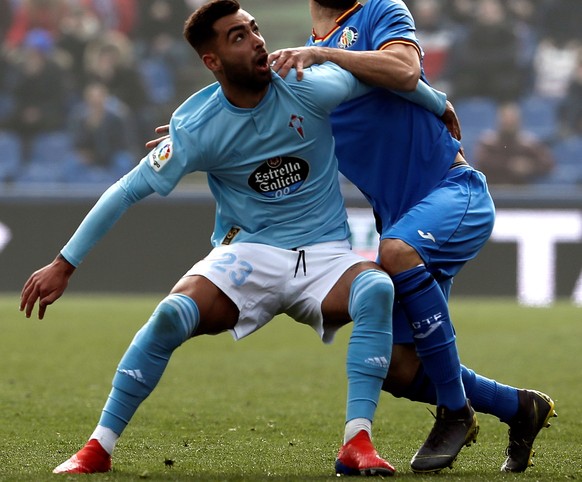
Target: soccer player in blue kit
point(433, 213)
point(280, 240)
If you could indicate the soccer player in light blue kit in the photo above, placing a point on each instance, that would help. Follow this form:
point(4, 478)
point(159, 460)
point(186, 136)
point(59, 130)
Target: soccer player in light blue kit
point(433, 213)
point(280, 237)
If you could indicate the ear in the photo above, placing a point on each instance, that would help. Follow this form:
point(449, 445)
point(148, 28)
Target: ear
point(212, 61)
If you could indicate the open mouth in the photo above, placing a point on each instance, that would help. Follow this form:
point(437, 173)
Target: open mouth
point(263, 62)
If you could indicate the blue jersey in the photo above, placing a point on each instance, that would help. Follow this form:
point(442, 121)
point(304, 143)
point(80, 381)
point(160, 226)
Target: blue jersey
point(394, 151)
point(272, 169)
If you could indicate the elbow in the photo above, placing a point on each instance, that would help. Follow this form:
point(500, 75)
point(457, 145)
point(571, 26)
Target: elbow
point(409, 79)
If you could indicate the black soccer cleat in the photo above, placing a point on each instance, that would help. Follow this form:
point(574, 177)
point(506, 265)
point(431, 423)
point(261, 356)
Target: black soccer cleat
point(452, 430)
point(534, 412)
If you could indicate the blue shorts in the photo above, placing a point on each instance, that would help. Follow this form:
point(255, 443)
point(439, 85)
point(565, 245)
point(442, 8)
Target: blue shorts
point(447, 228)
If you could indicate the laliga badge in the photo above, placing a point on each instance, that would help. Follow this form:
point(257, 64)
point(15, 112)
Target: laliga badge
point(161, 155)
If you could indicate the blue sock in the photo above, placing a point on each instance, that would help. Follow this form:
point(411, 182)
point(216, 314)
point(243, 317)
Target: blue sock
point(428, 314)
point(173, 322)
point(489, 396)
point(486, 395)
point(370, 346)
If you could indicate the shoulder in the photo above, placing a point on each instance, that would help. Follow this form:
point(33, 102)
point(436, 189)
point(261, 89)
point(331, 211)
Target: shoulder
point(321, 81)
point(388, 20)
point(327, 85)
point(328, 70)
point(188, 137)
point(198, 108)
point(319, 74)
point(396, 8)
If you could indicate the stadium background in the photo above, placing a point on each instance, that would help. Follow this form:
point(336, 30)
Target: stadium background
point(40, 204)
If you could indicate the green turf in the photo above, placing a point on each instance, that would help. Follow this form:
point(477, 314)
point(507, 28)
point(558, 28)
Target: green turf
point(266, 408)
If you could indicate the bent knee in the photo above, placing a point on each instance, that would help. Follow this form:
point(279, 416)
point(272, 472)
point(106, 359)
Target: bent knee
point(371, 295)
point(176, 315)
point(372, 285)
point(397, 256)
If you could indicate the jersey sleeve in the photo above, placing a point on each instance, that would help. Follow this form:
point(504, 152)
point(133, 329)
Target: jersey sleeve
point(168, 163)
point(391, 22)
point(105, 213)
point(187, 148)
point(431, 99)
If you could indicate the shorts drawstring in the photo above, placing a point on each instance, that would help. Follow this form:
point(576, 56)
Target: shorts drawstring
point(300, 258)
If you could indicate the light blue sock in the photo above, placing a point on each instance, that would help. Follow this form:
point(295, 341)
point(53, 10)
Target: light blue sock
point(172, 323)
point(428, 314)
point(370, 346)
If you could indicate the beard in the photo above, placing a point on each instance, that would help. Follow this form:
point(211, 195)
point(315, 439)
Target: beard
point(246, 78)
point(336, 4)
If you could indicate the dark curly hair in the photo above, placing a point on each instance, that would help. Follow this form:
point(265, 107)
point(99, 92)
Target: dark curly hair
point(199, 28)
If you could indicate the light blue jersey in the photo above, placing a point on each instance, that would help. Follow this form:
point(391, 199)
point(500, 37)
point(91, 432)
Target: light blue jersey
point(272, 168)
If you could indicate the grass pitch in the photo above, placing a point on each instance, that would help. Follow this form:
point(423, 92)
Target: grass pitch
point(269, 407)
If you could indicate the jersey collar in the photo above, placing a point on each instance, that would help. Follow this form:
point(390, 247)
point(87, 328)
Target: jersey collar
point(339, 22)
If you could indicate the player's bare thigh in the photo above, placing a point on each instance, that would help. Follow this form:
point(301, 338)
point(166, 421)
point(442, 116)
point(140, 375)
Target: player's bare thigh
point(218, 313)
point(335, 305)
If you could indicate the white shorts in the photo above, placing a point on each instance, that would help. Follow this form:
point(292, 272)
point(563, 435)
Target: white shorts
point(264, 281)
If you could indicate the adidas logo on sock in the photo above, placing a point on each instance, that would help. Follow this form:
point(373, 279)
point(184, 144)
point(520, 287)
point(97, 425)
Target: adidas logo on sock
point(377, 361)
point(135, 374)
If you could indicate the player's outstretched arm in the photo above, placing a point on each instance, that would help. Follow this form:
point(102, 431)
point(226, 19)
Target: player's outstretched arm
point(396, 67)
point(46, 285)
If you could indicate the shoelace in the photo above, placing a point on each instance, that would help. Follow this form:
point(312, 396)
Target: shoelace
point(435, 434)
point(435, 437)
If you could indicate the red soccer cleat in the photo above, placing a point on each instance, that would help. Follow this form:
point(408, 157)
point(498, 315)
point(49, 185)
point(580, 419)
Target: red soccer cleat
point(90, 459)
point(359, 457)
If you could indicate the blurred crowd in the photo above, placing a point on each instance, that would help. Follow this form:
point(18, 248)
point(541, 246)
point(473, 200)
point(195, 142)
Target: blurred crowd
point(83, 83)
point(513, 70)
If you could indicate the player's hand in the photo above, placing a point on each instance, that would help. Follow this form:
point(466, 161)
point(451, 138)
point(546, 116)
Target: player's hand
point(164, 130)
point(452, 123)
point(45, 285)
point(282, 61)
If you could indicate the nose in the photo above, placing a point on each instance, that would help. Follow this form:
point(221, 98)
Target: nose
point(259, 40)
